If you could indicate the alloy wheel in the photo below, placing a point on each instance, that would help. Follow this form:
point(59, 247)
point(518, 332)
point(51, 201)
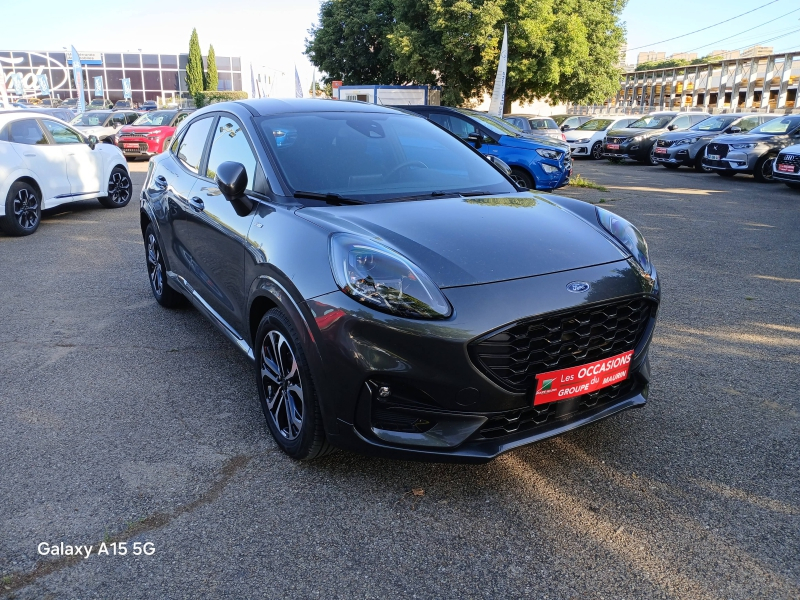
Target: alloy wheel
point(283, 388)
point(154, 269)
point(119, 188)
point(597, 151)
point(766, 169)
point(26, 209)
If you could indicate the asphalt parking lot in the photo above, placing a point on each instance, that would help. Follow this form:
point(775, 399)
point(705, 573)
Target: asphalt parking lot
point(126, 422)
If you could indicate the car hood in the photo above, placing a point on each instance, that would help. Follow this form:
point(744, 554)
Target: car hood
point(684, 133)
point(92, 129)
point(627, 132)
point(531, 142)
point(745, 138)
point(144, 128)
point(468, 241)
point(574, 134)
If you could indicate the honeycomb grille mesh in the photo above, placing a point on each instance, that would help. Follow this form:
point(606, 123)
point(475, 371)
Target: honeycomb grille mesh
point(514, 356)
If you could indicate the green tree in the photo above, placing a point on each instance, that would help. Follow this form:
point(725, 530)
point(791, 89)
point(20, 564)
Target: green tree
point(194, 66)
point(350, 42)
point(211, 81)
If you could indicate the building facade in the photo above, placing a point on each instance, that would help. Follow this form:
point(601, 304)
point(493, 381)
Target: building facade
point(158, 77)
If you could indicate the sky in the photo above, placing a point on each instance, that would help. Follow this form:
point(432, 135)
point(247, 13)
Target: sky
point(271, 33)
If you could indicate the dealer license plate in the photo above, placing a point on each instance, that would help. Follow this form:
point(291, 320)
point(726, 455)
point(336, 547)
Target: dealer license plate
point(131, 146)
point(583, 379)
point(612, 146)
point(786, 168)
point(713, 157)
point(661, 150)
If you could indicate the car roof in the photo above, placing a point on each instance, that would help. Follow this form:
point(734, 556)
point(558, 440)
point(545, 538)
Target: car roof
point(272, 106)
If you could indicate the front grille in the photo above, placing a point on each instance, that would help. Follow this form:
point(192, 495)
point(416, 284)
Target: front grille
point(615, 140)
point(790, 159)
point(130, 134)
point(720, 150)
point(142, 148)
point(664, 143)
point(531, 417)
point(514, 356)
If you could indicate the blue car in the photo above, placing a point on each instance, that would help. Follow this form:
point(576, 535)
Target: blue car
point(537, 162)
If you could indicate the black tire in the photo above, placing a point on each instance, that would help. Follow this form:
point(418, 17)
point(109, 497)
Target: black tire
point(165, 295)
point(763, 170)
point(23, 210)
point(698, 162)
point(597, 151)
point(725, 174)
point(651, 158)
point(670, 166)
point(282, 375)
point(522, 178)
point(120, 189)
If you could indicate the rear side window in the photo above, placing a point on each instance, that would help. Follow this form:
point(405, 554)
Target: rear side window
point(26, 131)
point(190, 148)
point(230, 144)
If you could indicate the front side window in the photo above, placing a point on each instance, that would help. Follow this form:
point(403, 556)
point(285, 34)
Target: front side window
point(652, 122)
point(372, 157)
point(779, 125)
point(190, 148)
point(713, 124)
point(26, 131)
point(90, 119)
point(130, 118)
point(749, 123)
point(596, 125)
point(230, 144)
point(179, 119)
point(456, 125)
point(62, 134)
point(682, 122)
point(516, 121)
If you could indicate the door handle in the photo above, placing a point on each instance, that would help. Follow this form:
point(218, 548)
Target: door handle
point(196, 203)
point(31, 155)
point(160, 182)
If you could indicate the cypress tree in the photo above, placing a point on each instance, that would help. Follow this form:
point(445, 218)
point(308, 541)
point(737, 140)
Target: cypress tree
point(212, 78)
point(194, 66)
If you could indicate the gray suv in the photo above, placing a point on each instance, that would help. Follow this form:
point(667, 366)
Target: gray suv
point(754, 152)
point(688, 147)
point(637, 141)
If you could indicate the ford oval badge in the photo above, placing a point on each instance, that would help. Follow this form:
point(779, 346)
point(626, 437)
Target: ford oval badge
point(577, 286)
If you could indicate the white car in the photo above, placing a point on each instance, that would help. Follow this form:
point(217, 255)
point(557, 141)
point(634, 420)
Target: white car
point(103, 124)
point(44, 163)
point(587, 139)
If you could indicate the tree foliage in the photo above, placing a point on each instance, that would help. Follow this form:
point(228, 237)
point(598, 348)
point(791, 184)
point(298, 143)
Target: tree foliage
point(211, 81)
point(563, 49)
point(676, 62)
point(194, 66)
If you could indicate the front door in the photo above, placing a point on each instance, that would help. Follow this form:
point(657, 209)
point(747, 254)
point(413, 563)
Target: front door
point(44, 159)
point(84, 165)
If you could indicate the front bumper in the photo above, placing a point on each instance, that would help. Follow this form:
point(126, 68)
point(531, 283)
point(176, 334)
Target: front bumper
point(735, 161)
point(580, 149)
point(784, 177)
point(442, 405)
point(139, 146)
point(676, 155)
point(628, 150)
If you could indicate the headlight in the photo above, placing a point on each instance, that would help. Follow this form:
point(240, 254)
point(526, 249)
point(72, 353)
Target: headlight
point(637, 138)
point(551, 154)
point(743, 146)
point(385, 280)
point(686, 141)
point(583, 141)
point(155, 132)
point(627, 235)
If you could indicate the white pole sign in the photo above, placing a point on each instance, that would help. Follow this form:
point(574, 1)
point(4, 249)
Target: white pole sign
point(499, 93)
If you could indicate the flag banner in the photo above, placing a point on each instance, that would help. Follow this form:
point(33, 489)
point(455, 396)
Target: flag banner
point(77, 72)
point(44, 86)
point(126, 88)
point(3, 87)
point(252, 83)
point(98, 86)
point(314, 84)
point(499, 92)
point(16, 79)
point(298, 88)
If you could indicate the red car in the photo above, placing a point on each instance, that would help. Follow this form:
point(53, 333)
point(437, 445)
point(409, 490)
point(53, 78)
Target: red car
point(150, 134)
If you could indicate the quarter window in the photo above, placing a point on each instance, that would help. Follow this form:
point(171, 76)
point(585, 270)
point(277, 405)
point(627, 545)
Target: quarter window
point(190, 148)
point(230, 144)
point(26, 131)
point(62, 134)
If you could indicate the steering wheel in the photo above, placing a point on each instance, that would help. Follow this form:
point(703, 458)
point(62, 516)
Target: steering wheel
point(405, 165)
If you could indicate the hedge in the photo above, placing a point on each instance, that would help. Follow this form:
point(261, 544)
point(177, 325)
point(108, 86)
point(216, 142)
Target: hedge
point(202, 99)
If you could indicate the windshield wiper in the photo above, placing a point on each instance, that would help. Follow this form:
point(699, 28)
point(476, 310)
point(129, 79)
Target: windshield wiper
point(435, 194)
point(330, 198)
point(475, 193)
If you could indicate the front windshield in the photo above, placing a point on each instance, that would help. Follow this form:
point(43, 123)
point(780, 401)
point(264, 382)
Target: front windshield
point(559, 119)
point(371, 157)
point(157, 117)
point(596, 125)
point(652, 122)
point(495, 124)
point(778, 125)
point(713, 124)
point(90, 119)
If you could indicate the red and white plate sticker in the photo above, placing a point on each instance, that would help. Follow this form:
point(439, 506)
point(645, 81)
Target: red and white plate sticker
point(612, 146)
point(786, 168)
point(583, 379)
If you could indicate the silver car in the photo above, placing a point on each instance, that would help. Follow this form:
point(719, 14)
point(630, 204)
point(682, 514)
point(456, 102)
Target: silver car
point(537, 125)
point(688, 147)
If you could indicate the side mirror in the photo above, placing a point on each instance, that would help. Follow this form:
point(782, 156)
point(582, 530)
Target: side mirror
point(672, 127)
point(735, 130)
point(565, 128)
point(232, 181)
point(475, 138)
point(93, 141)
point(500, 164)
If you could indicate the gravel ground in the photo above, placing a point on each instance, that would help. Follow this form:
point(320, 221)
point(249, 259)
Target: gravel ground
point(125, 422)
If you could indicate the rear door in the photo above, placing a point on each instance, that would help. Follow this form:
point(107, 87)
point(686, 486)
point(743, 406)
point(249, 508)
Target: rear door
point(46, 160)
point(84, 165)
